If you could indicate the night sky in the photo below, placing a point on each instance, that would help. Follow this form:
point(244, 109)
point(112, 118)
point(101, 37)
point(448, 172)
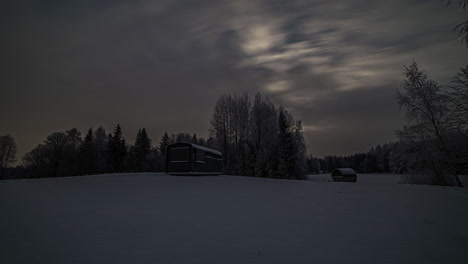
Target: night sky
point(162, 64)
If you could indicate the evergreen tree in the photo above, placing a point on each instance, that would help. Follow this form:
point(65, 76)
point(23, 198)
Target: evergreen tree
point(299, 147)
point(117, 149)
point(157, 160)
point(88, 154)
point(165, 141)
point(286, 155)
point(100, 141)
point(131, 162)
point(201, 142)
point(70, 164)
point(194, 139)
point(141, 150)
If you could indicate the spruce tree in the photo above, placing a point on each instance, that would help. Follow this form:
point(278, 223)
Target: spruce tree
point(142, 149)
point(101, 142)
point(285, 146)
point(109, 153)
point(117, 149)
point(88, 154)
point(165, 141)
point(299, 146)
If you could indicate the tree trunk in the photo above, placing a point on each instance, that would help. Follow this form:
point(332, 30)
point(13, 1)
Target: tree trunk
point(457, 180)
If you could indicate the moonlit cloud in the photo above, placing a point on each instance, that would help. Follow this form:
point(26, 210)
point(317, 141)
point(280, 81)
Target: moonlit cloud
point(278, 86)
point(162, 64)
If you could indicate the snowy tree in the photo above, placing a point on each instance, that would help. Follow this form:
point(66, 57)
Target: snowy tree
point(426, 108)
point(57, 156)
point(458, 99)
point(117, 150)
point(249, 137)
point(165, 141)
point(286, 153)
point(157, 160)
point(100, 141)
point(300, 152)
point(230, 126)
point(264, 127)
point(221, 127)
point(194, 139)
point(70, 163)
point(462, 28)
point(142, 144)
point(88, 154)
point(56, 144)
point(141, 150)
point(7, 153)
point(39, 161)
point(181, 137)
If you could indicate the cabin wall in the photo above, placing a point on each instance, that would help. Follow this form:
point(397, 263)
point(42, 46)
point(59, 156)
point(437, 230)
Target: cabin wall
point(185, 158)
point(179, 166)
point(211, 163)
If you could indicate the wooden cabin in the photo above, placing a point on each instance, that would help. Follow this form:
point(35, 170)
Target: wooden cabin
point(191, 159)
point(344, 175)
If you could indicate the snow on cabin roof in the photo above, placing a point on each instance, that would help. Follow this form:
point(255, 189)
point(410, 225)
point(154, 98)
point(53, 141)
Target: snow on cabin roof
point(206, 149)
point(346, 171)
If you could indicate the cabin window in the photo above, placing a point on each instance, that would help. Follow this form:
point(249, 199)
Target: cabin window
point(200, 156)
point(179, 154)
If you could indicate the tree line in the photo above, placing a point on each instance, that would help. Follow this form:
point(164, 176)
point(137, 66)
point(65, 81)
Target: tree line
point(257, 138)
point(377, 160)
point(432, 147)
point(67, 153)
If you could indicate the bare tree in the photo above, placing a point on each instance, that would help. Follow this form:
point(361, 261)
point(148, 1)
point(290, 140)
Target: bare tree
point(426, 108)
point(424, 101)
point(221, 127)
point(264, 130)
point(250, 138)
point(39, 160)
point(56, 143)
point(458, 96)
point(462, 28)
point(7, 153)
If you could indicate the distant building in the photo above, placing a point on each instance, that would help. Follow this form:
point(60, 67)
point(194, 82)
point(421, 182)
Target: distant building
point(344, 175)
point(191, 159)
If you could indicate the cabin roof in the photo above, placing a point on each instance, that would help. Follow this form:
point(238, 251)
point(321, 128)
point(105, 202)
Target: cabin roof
point(206, 149)
point(346, 171)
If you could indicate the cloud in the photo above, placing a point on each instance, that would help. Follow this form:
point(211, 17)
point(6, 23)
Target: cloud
point(162, 64)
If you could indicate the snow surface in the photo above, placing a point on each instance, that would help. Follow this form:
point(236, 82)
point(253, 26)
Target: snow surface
point(365, 178)
point(155, 218)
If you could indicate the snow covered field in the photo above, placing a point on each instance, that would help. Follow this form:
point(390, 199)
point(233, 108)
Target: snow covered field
point(154, 218)
point(372, 178)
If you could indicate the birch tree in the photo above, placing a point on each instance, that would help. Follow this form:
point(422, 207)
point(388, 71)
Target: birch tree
point(426, 109)
point(7, 153)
